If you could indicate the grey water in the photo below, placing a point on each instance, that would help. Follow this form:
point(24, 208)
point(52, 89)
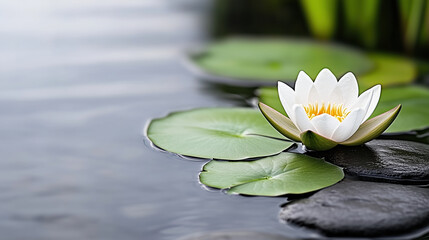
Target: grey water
point(79, 80)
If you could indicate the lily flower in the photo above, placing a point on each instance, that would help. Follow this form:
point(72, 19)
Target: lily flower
point(327, 112)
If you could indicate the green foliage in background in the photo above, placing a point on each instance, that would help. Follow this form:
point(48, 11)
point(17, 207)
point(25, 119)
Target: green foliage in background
point(388, 70)
point(321, 17)
point(359, 21)
point(400, 26)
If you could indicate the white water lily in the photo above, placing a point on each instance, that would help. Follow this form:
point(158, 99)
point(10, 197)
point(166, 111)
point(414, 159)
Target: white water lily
point(326, 106)
point(327, 112)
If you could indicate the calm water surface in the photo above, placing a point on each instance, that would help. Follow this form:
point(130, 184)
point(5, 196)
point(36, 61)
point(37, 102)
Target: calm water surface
point(79, 81)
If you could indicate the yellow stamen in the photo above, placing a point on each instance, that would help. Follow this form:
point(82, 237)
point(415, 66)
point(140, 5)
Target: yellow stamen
point(338, 111)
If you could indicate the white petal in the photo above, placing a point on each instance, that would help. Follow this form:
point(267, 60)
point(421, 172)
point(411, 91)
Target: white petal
point(313, 95)
point(301, 119)
point(325, 83)
point(302, 88)
point(364, 101)
point(348, 88)
point(348, 126)
point(287, 98)
point(374, 101)
point(336, 97)
point(325, 124)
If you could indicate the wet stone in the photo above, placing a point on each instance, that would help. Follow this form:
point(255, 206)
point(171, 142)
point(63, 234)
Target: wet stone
point(234, 235)
point(363, 209)
point(394, 161)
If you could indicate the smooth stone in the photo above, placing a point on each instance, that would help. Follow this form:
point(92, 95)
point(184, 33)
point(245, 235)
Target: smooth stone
point(421, 135)
point(395, 161)
point(234, 235)
point(363, 209)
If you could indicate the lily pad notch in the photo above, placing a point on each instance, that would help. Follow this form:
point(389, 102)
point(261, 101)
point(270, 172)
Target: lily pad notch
point(285, 173)
point(217, 133)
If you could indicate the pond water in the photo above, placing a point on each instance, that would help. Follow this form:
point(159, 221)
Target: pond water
point(79, 81)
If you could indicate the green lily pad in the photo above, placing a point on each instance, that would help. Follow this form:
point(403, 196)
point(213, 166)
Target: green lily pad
point(217, 133)
point(263, 61)
point(415, 107)
point(286, 173)
point(388, 70)
point(268, 60)
point(414, 99)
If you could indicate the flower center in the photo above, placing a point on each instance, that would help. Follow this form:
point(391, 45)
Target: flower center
point(338, 111)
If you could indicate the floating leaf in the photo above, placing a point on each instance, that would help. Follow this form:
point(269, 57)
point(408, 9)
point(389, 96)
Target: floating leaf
point(218, 133)
point(414, 100)
point(259, 61)
point(286, 173)
point(263, 61)
point(415, 107)
point(389, 70)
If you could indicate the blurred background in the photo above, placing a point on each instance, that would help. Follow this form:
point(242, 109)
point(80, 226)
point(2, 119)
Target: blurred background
point(400, 26)
point(80, 80)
